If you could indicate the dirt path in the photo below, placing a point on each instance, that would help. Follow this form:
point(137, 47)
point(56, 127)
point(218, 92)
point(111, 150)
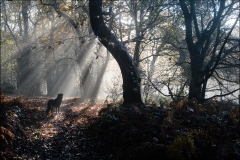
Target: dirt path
point(58, 136)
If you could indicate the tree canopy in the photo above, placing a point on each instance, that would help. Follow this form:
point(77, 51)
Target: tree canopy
point(173, 49)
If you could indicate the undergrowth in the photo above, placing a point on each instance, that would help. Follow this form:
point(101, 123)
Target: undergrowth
point(181, 130)
point(186, 130)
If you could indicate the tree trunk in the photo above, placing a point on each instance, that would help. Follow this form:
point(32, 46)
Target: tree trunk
point(131, 80)
point(136, 53)
point(195, 87)
point(87, 81)
point(99, 79)
point(24, 59)
point(50, 78)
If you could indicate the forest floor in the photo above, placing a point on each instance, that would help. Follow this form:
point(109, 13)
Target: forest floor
point(179, 130)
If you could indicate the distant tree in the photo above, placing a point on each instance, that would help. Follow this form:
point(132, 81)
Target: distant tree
point(146, 17)
point(21, 35)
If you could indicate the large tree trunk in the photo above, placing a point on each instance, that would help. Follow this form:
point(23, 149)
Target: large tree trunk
point(131, 80)
point(195, 87)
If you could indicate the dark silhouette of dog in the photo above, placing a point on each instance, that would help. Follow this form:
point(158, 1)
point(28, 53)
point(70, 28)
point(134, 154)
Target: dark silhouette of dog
point(54, 103)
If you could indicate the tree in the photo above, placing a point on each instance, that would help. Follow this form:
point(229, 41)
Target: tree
point(146, 16)
point(21, 36)
point(131, 79)
point(207, 43)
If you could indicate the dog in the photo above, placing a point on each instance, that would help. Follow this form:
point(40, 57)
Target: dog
point(54, 103)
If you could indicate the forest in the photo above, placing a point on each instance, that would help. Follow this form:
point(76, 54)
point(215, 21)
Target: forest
point(132, 79)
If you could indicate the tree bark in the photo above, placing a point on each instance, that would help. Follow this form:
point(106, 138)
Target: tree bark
point(131, 80)
point(136, 53)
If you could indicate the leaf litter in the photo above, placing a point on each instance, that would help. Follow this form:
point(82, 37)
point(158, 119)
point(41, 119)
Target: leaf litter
point(82, 130)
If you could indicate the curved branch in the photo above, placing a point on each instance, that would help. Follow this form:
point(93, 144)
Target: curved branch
point(131, 79)
point(222, 95)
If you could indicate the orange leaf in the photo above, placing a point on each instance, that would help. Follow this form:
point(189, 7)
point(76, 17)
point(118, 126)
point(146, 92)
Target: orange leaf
point(44, 39)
